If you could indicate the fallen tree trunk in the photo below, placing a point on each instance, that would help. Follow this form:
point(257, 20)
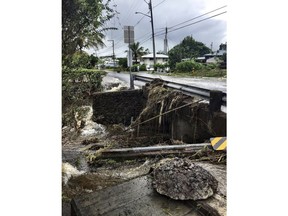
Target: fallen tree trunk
point(153, 150)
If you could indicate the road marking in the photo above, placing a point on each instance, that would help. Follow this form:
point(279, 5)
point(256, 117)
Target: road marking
point(219, 143)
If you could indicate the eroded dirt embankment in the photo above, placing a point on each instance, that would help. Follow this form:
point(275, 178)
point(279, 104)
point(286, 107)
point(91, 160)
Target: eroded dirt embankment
point(159, 111)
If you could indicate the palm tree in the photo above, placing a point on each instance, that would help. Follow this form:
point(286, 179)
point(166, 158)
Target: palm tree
point(136, 50)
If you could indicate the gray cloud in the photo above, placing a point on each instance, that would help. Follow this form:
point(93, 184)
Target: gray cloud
point(167, 14)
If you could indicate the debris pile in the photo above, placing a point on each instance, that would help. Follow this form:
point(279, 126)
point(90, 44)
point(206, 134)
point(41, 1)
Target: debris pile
point(181, 117)
point(159, 101)
point(180, 179)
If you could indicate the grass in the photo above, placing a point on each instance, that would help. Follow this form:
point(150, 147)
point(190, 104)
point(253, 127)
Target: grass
point(200, 73)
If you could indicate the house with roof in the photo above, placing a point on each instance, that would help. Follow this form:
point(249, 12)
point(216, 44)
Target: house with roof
point(148, 60)
point(214, 56)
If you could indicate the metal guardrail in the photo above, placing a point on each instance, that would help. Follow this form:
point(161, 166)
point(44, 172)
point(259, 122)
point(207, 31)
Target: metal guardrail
point(186, 89)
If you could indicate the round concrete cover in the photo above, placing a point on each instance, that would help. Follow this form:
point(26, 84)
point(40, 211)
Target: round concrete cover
point(180, 179)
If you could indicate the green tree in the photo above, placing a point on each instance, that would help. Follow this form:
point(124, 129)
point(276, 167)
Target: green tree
point(80, 59)
point(123, 62)
point(137, 51)
point(83, 24)
point(93, 61)
point(188, 48)
point(147, 51)
point(82, 27)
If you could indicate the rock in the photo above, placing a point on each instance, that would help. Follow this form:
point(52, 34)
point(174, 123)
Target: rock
point(180, 179)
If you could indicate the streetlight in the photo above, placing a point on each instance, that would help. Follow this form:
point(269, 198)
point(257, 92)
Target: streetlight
point(152, 25)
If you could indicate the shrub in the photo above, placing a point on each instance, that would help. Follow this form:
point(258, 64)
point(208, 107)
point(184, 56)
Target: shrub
point(77, 88)
point(142, 67)
point(135, 67)
point(211, 66)
point(123, 62)
point(188, 66)
point(160, 66)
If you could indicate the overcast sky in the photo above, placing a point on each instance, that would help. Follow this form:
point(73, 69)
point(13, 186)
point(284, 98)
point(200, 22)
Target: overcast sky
point(166, 13)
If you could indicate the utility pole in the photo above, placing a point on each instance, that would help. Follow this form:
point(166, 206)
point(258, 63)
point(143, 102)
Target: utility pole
point(131, 60)
point(152, 26)
point(153, 35)
point(211, 47)
point(166, 42)
point(113, 56)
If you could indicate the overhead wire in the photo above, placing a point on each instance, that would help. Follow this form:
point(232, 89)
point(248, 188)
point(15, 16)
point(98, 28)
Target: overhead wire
point(197, 17)
point(170, 29)
point(143, 16)
point(131, 10)
point(157, 34)
point(195, 22)
point(117, 14)
point(159, 4)
point(162, 32)
point(149, 12)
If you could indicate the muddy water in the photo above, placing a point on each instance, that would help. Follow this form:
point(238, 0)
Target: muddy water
point(92, 128)
point(74, 160)
point(113, 84)
point(72, 150)
point(73, 154)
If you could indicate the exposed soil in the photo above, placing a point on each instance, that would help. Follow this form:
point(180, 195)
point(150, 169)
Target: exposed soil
point(181, 179)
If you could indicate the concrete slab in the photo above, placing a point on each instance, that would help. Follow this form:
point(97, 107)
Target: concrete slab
point(135, 197)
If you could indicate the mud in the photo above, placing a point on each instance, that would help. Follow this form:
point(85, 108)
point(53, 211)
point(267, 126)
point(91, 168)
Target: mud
point(181, 179)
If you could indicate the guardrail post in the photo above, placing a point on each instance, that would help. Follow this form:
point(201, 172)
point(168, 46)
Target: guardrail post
point(215, 101)
point(132, 81)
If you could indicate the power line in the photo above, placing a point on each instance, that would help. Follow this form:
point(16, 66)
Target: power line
point(144, 41)
point(141, 19)
point(143, 36)
point(198, 21)
point(159, 4)
point(149, 12)
point(117, 14)
point(159, 33)
point(162, 32)
point(198, 16)
point(132, 8)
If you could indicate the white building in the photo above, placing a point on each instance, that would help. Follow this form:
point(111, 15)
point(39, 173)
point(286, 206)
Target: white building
point(148, 59)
